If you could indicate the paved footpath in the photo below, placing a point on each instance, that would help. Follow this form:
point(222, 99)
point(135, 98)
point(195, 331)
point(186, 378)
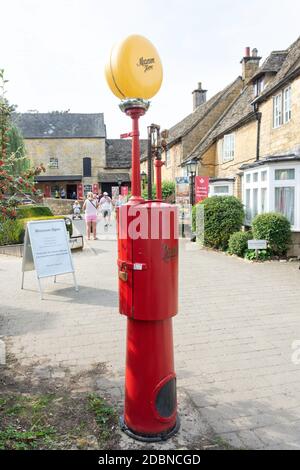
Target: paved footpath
point(233, 335)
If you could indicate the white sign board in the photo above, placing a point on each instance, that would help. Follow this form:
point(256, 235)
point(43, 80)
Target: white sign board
point(47, 249)
point(257, 244)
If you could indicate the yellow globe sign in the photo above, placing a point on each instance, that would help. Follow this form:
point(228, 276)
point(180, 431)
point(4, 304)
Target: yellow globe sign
point(134, 69)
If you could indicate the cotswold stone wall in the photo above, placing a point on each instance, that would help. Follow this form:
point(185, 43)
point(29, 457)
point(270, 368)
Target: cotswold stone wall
point(70, 154)
point(59, 206)
point(286, 138)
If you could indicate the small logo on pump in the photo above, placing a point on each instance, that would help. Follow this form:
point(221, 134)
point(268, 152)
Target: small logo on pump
point(146, 63)
point(168, 252)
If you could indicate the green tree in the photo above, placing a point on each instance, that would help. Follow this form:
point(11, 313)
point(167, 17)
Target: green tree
point(16, 178)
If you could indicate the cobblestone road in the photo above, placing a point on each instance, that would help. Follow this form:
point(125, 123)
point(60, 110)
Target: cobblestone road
point(233, 336)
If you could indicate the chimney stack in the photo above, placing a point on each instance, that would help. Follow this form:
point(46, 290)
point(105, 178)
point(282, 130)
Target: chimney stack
point(199, 96)
point(250, 64)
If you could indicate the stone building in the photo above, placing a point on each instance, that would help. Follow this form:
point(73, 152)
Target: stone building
point(74, 149)
point(253, 151)
point(186, 134)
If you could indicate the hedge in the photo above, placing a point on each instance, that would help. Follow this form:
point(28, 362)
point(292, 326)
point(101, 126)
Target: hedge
point(223, 215)
point(12, 232)
point(167, 189)
point(32, 210)
point(275, 228)
point(238, 243)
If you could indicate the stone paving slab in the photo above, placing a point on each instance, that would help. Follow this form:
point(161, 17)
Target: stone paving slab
point(233, 336)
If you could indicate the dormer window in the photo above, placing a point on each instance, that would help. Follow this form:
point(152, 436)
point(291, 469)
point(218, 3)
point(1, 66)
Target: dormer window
point(259, 86)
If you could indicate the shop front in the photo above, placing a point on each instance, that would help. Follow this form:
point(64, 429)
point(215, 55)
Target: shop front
point(65, 187)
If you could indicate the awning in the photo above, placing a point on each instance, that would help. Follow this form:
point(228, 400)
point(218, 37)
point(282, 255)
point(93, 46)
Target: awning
point(113, 177)
point(41, 179)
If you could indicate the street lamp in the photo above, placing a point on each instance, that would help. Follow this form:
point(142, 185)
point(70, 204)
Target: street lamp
point(143, 178)
point(191, 166)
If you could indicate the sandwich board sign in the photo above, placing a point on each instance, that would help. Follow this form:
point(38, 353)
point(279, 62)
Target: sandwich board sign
point(47, 250)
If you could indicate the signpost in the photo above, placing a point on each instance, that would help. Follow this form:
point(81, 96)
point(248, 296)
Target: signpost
point(257, 245)
point(201, 188)
point(47, 250)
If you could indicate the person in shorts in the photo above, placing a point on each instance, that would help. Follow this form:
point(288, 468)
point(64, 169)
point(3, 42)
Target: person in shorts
point(106, 208)
point(90, 207)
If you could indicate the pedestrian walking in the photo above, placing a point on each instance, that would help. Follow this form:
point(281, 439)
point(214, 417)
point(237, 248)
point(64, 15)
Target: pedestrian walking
point(106, 208)
point(90, 207)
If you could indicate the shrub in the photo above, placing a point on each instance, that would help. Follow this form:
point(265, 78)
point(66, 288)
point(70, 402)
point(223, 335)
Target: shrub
point(238, 243)
point(167, 189)
point(262, 255)
point(11, 232)
point(275, 228)
point(223, 215)
point(32, 210)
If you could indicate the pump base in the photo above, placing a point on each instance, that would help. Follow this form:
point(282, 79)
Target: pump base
point(149, 438)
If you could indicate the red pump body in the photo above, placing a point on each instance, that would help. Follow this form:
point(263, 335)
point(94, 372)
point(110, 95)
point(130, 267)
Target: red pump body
point(148, 296)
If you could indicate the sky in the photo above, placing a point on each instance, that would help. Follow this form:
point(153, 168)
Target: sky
point(54, 52)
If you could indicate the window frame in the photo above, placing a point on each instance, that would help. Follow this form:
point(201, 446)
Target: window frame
point(270, 184)
point(87, 174)
point(53, 163)
point(228, 150)
point(282, 111)
point(217, 184)
point(168, 158)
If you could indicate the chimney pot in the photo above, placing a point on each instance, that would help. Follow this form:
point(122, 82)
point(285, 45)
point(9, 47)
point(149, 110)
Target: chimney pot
point(250, 64)
point(199, 96)
point(247, 51)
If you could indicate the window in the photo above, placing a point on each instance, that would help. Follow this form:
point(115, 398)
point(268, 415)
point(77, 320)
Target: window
point(221, 189)
point(248, 206)
point(168, 159)
point(263, 200)
point(277, 110)
point(282, 111)
point(263, 176)
point(255, 177)
point(87, 189)
point(228, 147)
point(287, 104)
point(258, 86)
point(53, 162)
point(87, 167)
point(285, 202)
point(285, 174)
point(277, 190)
point(255, 202)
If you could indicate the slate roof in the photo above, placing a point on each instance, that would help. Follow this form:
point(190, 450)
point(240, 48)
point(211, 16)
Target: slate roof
point(271, 159)
point(60, 125)
point(272, 63)
point(113, 177)
point(118, 152)
point(290, 66)
point(239, 112)
point(282, 64)
point(189, 122)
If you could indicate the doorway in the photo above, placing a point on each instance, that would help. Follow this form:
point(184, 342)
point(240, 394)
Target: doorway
point(71, 188)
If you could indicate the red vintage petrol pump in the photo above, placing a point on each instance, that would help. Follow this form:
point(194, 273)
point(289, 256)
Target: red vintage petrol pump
point(148, 296)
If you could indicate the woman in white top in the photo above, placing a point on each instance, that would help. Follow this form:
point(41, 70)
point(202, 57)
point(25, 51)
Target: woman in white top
point(90, 207)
